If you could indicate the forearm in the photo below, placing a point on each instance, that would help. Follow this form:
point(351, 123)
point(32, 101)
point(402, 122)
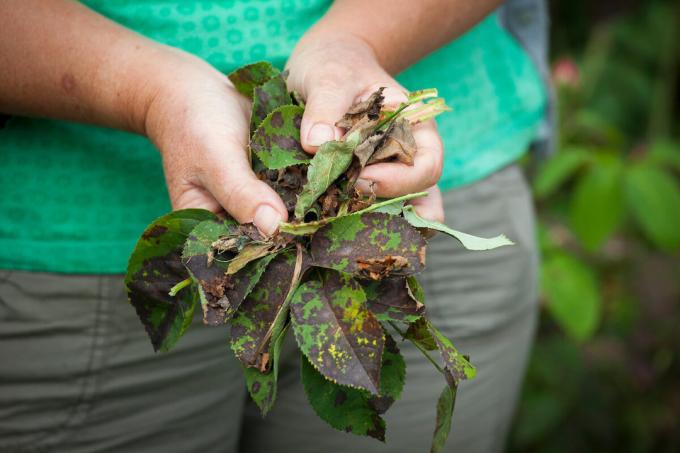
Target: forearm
point(59, 59)
point(401, 32)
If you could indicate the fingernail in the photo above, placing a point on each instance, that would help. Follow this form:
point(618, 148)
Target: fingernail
point(319, 134)
point(364, 186)
point(267, 219)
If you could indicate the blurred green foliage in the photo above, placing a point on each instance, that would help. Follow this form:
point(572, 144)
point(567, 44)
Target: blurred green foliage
point(605, 372)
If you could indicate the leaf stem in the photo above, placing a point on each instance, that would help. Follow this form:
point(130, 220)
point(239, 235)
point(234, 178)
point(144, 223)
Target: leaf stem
point(179, 287)
point(374, 206)
point(420, 348)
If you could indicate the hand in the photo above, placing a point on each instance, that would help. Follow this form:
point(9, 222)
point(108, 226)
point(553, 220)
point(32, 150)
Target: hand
point(333, 72)
point(200, 124)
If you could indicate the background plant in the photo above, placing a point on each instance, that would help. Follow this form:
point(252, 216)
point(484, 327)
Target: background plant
point(605, 371)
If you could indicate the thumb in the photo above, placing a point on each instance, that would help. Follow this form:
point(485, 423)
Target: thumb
point(235, 187)
point(327, 102)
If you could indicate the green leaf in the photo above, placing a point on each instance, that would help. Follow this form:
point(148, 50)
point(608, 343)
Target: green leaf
point(266, 98)
point(666, 154)
point(262, 386)
point(597, 206)
point(353, 410)
point(571, 291)
point(558, 169)
point(246, 78)
point(372, 245)
point(336, 332)
point(276, 142)
point(653, 198)
point(392, 299)
point(457, 366)
point(330, 161)
point(469, 241)
point(220, 293)
point(445, 405)
point(154, 267)
point(253, 323)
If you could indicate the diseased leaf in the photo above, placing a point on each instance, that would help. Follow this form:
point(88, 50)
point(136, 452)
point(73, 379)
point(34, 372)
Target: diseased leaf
point(330, 161)
point(262, 386)
point(373, 245)
point(154, 267)
point(248, 77)
point(343, 408)
point(336, 332)
point(469, 241)
point(392, 377)
point(220, 294)
point(252, 325)
point(287, 182)
point(276, 142)
point(419, 332)
point(391, 299)
point(266, 98)
point(445, 405)
point(458, 366)
point(354, 410)
point(392, 206)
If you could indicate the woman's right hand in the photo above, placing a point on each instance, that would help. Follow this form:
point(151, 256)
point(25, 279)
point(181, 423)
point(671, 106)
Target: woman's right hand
point(200, 124)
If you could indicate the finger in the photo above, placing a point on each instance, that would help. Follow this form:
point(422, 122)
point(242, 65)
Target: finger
point(392, 179)
point(327, 101)
point(195, 197)
point(431, 206)
point(231, 181)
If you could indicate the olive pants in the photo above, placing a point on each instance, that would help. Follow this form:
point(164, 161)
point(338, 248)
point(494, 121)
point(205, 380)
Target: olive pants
point(77, 372)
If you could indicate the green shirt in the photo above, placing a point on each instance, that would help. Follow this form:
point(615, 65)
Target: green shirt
point(76, 197)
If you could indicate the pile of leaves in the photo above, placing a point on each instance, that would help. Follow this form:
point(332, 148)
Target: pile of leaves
point(340, 275)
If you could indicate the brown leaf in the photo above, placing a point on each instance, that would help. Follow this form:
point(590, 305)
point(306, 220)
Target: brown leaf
point(370, 109)
point(378, 268)
point(398, 143)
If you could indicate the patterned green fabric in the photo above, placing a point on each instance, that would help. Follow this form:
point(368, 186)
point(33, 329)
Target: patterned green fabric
point(75, 197)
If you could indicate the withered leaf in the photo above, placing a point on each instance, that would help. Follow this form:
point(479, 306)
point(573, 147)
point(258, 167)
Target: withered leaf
point(336, 332)
point(370, 245)
point(368, 109)
point(276, 142)
point(250, 252)
point(155, 266)
point(206, 255)
point(397, 143)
